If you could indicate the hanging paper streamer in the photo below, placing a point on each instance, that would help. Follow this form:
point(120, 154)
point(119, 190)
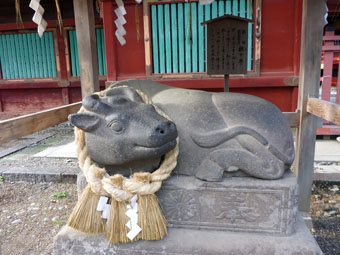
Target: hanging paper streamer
point(132, 214)
point(120, 21)
point(38, 18)
point(203, 2)
point(104, 207)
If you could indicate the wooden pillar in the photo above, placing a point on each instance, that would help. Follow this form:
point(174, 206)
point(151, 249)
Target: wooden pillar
point(309, 83)
point(87, 49)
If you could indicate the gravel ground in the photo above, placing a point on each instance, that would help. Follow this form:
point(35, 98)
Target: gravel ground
point(32, 214)
point(325, 213)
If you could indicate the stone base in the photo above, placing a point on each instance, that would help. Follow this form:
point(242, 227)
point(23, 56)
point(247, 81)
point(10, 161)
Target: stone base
point(192, 241)
point(242, 204)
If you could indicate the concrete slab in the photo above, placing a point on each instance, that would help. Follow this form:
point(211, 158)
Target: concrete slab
point(330, 169)
point(26, 174)
point(65, 150)
point(327, 150)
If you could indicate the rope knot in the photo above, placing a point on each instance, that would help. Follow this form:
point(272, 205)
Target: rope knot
point(142, 177)
point(117, 179)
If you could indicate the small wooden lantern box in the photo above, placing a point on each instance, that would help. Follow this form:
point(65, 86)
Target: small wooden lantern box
point(227, 45)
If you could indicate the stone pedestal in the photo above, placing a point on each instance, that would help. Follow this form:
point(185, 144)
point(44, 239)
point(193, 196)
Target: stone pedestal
point(239, 215)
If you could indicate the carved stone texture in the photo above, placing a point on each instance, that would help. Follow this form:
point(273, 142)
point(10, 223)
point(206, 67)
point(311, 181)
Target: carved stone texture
point(182, 241)
point(220, 133)
point(237, 204)
point(180, 205)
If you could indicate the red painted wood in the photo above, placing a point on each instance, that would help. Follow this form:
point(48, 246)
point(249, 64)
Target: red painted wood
point(27, 84)
point(131, 56)
point(30, 99)
point(337, 100)
point(50, 24)
point(267, 94)
point(74, 94)
point(278, 35)
point(32, 25)
point(328, 130)
point(283, 102)
point(62, 55)
point(1, 103)
point(331, 37)
point(331, 47)
point(110, 42)
point(295, 96)
point(249, 82)
point(327, 71)
point(297, 37)
point(65, 96)
point(327, 76)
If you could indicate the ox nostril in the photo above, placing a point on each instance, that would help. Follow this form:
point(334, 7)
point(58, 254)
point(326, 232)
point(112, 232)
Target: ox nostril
point(159, 130)
point(165, 128)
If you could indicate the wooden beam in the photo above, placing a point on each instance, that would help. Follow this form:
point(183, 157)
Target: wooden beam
point(309, 82)
point(331, 37)
point(87, 49)
point(292, 118)
point(331, 48)
point(28, 124)
point(324, 109)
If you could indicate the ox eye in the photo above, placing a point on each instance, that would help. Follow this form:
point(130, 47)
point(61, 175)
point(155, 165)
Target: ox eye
point(116, 126)
point(119, 100)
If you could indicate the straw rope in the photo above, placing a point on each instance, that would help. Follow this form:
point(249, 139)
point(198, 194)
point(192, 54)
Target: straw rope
point(140, 183)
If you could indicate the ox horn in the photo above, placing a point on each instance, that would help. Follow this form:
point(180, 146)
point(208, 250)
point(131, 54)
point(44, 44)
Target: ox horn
point(94, 104)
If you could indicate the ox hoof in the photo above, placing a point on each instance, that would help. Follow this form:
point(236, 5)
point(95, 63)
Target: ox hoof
point(209, 171)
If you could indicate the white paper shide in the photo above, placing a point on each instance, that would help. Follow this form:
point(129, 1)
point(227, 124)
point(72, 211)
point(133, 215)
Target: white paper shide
point(38, 16)
point(132, 213)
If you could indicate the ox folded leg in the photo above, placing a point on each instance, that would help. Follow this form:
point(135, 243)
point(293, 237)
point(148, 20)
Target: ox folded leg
point(273, 168)
point(213, 167)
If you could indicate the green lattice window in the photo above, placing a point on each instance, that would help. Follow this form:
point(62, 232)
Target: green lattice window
point(26, 55)
point(74, 52)
point(178, 48)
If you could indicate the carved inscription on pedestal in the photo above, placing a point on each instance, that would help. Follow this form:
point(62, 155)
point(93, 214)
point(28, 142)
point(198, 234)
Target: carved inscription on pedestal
point(248, 209)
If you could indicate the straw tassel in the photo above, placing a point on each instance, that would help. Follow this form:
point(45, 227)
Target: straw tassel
point(150, 216)
point(85, 216)
point(115, 229)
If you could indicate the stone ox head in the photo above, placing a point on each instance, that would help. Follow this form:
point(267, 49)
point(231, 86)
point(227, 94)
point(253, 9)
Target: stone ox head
point(120, 128)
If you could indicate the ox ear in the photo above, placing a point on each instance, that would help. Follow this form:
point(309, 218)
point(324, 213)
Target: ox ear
point(125, 91)
point(84, 121)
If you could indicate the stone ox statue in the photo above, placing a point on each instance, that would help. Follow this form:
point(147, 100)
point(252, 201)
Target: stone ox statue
point(221, 134)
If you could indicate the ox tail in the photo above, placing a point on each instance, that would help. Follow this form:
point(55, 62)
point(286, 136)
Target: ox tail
point(215, 138)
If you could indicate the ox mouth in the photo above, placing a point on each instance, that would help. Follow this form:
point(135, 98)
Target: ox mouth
point(163, 147)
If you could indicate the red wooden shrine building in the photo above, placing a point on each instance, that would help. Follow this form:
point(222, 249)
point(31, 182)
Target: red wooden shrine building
point(162, 44)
